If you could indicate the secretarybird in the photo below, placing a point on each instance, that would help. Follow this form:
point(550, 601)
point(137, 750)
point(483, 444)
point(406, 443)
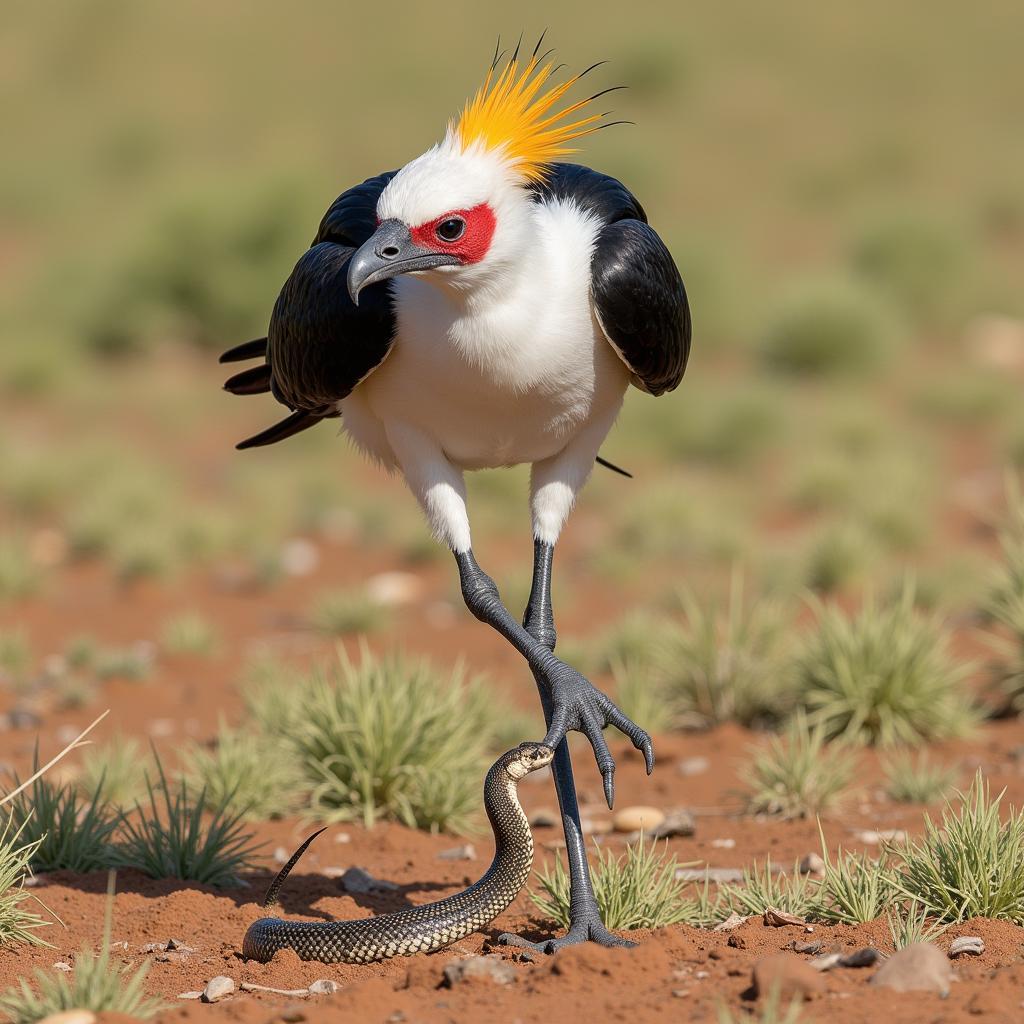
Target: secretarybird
point(487, 305)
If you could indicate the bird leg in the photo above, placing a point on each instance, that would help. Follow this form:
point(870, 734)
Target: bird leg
point(573, 702)
point(584, 917)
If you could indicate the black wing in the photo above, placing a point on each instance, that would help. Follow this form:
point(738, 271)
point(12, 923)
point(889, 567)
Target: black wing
point(320, 345)
point(636, 289)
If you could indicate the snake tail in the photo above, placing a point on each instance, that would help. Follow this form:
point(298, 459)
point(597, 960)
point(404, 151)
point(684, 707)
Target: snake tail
point(275, 886)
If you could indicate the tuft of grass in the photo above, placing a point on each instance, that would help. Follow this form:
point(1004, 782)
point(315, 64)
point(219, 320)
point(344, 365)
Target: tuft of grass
point(96, 984)
point(910, 924)
point(911, 779)
point(15, 654)
point(183, 836)
point(797, 774)
point(1005, 605)
point(915, 259)
point(838, 557)
point(827, 328)
point(762, 888)
point(970, 865)
point(252, 774)
point(268, 690)
point(71, 831)
point(346, 612)
point(641, 695)
point(392, 739)
point(19, 576)
point(17, 922)
point(116, 766)
point(637, 889)
point(132, 664)
point(189, 634)
point(772, 1010)
point(885, 676)
point(730, 664)
point(855, 888)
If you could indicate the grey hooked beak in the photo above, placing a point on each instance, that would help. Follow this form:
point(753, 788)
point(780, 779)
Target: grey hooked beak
point(390, 251)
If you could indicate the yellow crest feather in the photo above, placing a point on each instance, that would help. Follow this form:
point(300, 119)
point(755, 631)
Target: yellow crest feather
point(514, 112)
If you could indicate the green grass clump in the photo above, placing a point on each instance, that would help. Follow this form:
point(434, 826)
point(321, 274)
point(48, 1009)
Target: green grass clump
point(914, 258)
point(641, 695)
point(184, 836)
point(131, 664)
point(910, 924)
point(116, 765)
point(188, 634)
point(1005, 606)
point(797, 774)
point(970, 865)
point(18, 923)
point(252, 774)
point(828, 327)
point(885, 676)
point(15, 654)
point(638, 889)
point(392, 739)
point(917, 779)
point(72, 831)
point(19, 576)
point(771, 1010)
point(95, 984)
point(728, 664)
point(838, 557)
point(762, 887)
point(345, 612)
point(855, 888)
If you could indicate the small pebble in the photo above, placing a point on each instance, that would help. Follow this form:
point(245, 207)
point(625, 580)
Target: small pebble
point(775, 918)
point(467, 851)
point(967, 944)
point(393, 589)
point(723, 844)
point(871, 837)
point(299, 557)
point(323, 987)
point(716, 875)
point(866, 957)
point(359, 881)
point(281, 855)
point(787, 974)
point(734, 920)
point(812, 864)
point(595, 826)
point(491, 968)
point(62, 966)
point(189, 995)
point(217, 988)
point(179, 946)
point(635, 819)
point(342, 837)
point(693, 766)
point(544, 817)
point(251, 986)
point(814, 946)
point(677, 823)
point(921, 967)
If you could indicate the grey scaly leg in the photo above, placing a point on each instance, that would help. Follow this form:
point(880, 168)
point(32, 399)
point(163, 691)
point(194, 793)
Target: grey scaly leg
point(584, 918)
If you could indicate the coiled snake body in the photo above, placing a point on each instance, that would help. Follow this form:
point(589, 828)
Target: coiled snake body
point(434, 925)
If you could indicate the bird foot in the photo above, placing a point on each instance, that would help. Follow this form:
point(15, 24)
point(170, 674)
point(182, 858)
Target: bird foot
point(577, 704)
point(582, 931)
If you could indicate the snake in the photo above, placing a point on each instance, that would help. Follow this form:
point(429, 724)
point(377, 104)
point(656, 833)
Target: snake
point(431, 926)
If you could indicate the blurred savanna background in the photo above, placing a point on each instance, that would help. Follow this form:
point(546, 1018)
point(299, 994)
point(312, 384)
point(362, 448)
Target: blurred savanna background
point(836, 479)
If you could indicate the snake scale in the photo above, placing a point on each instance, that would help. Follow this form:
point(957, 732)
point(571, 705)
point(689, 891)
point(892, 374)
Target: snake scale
point(434, 925)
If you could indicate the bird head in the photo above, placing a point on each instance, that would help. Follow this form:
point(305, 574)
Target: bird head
point(462, 209)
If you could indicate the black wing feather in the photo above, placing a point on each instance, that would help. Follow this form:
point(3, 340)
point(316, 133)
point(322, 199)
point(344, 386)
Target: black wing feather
point(636, 289)
point(320, 345)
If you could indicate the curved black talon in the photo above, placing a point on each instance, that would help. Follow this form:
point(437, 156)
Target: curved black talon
point(576, 704)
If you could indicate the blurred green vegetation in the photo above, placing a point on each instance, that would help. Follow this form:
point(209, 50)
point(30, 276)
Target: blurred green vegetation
point(840, 187)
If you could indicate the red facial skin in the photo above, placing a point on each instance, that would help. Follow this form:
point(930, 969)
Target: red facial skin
point(474, 242)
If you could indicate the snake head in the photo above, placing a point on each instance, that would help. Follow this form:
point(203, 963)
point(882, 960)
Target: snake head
point(526, 758)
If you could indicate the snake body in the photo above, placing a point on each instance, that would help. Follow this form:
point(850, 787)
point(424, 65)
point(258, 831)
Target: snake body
point(433, 925)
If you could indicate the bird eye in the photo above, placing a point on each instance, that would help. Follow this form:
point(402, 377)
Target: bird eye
point(451, 229)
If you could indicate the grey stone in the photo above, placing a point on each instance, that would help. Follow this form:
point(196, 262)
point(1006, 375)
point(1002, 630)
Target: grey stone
point(464, 852)
point(490, 968)
point(693, 766)
point(677, 823)
point(921, 967)
point(972, 945)
point(218, 988)
point(359, 881)
point(323, 987)
point(868, 956)
point(189, 995)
